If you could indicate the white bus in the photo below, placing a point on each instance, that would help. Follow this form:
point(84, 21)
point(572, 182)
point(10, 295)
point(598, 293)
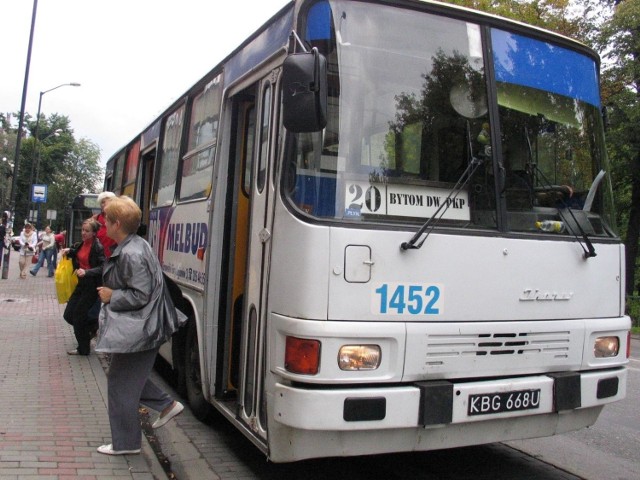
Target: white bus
point(390, 224)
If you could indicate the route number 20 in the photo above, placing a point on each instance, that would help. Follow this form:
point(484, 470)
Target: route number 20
point(402, 299)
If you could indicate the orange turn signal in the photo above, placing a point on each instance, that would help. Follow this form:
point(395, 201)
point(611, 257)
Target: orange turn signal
point(302, 355)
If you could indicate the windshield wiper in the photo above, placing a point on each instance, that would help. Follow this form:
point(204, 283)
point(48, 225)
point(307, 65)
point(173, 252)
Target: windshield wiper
point(455, 191)
point(589, 250)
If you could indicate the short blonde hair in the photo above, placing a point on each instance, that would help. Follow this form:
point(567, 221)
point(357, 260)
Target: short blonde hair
point(124, 210)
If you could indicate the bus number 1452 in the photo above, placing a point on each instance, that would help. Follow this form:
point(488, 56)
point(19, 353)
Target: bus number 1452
point(402, 299)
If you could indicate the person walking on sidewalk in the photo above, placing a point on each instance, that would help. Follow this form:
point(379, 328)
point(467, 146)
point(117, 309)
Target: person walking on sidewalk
point(137, 317)
point(47, 245)
point(87, 257)
point(28, 242)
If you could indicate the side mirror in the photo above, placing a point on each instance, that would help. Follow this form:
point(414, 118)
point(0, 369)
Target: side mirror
point(304, 92)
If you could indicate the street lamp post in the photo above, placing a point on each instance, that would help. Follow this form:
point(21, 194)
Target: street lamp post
point(16, 159)
point(37, 143)
point(71, 84)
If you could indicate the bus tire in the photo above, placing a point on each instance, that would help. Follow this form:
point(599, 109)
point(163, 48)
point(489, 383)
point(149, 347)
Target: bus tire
point(201, 409)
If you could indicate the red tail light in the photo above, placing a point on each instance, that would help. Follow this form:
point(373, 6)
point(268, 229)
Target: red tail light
point(302, 356)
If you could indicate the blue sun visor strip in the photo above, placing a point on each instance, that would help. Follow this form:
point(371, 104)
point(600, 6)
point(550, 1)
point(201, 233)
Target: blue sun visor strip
point(319, 22)
point(532, 63)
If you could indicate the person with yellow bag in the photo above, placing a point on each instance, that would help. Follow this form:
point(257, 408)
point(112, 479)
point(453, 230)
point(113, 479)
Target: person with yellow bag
point(87, 257)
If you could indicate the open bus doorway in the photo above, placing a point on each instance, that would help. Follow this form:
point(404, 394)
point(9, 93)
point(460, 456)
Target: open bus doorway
point(82, 207)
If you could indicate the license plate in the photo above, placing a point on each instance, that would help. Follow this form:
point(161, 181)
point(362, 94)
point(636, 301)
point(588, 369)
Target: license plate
point(487, 403)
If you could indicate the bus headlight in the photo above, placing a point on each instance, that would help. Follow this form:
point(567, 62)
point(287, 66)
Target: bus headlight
point(605, 347)
point(359, 357)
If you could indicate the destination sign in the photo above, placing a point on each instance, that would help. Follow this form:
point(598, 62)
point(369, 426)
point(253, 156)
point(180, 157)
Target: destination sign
point(405, 201)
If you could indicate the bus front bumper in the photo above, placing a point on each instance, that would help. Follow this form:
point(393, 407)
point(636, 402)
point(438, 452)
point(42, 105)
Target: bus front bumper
point(437, 403)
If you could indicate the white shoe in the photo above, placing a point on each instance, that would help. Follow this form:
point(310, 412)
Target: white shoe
point(162, 419)
point(108, 450)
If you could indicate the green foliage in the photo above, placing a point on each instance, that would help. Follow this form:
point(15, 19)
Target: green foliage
point(633, 309)
point(555, 15)
point(67, 166)
point(79, 172)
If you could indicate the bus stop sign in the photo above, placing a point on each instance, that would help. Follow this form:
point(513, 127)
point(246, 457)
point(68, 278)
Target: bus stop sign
point(39, 194)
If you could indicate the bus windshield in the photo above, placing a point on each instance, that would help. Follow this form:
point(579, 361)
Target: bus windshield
point(409, 111)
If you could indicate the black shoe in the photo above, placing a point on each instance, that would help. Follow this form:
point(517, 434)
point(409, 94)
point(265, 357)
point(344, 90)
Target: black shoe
point(32, 273)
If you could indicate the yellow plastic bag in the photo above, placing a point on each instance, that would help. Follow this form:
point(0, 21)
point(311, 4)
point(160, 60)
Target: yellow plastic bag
point(66, 280)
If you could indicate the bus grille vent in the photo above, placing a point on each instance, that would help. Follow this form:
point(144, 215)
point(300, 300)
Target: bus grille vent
point(487, 344)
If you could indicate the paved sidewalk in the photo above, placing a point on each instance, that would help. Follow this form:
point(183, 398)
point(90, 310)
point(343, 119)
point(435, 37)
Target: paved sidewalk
point(53, 410)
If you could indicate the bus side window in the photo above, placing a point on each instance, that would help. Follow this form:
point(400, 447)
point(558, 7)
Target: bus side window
point(264, 138)
point(117, 175)
point(164, 189)
point(197, 164)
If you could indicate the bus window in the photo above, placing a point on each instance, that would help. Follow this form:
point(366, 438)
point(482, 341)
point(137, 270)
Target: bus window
point(197, 166)
point(131, 170)
point(165, 188)
point(117, 177)
point(396, 129)
point(108, 175)
point(248, 135)
point(549, 122)
point(264, 137)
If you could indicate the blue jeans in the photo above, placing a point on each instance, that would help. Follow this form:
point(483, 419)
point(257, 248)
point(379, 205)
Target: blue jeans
point(48, 256)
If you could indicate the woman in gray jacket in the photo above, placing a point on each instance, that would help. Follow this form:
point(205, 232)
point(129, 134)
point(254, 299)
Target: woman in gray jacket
point(137, 317)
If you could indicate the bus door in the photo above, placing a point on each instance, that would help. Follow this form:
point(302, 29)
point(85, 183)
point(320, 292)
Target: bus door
point(251, 271)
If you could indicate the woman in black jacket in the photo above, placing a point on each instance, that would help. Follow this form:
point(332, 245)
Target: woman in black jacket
point(87, 257)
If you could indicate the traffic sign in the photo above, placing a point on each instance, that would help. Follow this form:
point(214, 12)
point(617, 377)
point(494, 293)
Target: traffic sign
point(39, 194)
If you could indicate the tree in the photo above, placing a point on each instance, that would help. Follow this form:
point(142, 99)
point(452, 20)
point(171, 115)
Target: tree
point(56, 159)
point(80, 172)
point(555, 15)
point(7, 151)
point(619, 39)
